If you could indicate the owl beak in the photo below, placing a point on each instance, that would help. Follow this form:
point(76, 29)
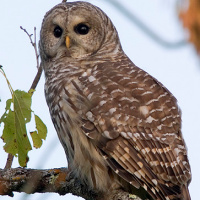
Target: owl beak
point(67, 42)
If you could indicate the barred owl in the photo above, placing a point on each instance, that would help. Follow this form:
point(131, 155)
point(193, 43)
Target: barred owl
point(119, 126)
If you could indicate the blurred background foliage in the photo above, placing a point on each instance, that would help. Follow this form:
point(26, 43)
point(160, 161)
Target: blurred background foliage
point(189, 14)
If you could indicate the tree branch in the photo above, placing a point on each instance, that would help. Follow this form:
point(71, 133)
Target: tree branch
point(36, 79)
point(40, 181)
point(59, 181)
point(148, 31)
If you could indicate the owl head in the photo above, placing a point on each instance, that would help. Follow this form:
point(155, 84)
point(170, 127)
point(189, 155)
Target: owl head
point(77, 30)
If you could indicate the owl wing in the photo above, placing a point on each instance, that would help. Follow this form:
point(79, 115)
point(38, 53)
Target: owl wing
point(135, 123)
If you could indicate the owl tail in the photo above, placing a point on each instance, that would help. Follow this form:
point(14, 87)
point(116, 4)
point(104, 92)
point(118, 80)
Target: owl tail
point(185, 192)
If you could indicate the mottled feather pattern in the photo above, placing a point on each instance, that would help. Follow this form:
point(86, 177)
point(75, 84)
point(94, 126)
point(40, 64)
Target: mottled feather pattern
point(119, 126)
point(134, 118)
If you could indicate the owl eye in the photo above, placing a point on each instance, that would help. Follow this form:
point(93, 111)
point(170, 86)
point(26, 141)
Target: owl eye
point(81, 29)
point(57, 31)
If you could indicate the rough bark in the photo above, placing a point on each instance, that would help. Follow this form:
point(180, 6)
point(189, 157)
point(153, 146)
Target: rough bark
point(51, 180)
point(59, 181)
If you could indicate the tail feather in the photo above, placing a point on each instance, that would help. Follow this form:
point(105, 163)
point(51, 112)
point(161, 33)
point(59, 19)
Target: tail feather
point(185, 192)
point(182, 195)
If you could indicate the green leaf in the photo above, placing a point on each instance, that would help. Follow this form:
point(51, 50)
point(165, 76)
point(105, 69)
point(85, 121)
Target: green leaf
point(37, 141)
point(9, 133)
point(17, 114)
point(41, 128)
point(8, 104)
point(14, 133)
point(22, 104)
point(40, 134)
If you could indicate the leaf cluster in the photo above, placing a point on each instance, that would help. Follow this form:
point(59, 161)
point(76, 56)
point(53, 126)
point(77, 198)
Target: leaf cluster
point(17, 115)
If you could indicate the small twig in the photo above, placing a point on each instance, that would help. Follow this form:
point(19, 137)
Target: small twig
point(34, 44)
point(9, 161)
point(35, 48)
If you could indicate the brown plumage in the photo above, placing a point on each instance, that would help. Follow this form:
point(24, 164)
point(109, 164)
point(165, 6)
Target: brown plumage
point(119, 126)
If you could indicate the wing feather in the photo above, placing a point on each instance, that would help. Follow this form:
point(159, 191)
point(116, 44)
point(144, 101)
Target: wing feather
point(137, 123)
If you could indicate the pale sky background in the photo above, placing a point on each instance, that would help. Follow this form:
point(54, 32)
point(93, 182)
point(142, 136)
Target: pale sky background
point(177, 68)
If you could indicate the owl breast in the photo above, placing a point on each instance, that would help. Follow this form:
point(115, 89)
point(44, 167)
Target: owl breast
point(68, 106)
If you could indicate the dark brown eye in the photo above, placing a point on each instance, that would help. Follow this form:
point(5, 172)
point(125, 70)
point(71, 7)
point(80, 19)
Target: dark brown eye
point(81, 29)
point(57, 31)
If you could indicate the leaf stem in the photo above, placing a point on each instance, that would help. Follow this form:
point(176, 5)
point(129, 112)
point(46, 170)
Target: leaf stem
point(9, 85)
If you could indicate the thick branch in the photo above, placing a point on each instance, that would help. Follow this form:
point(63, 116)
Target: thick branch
point(59, 181)
point(51, 180)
